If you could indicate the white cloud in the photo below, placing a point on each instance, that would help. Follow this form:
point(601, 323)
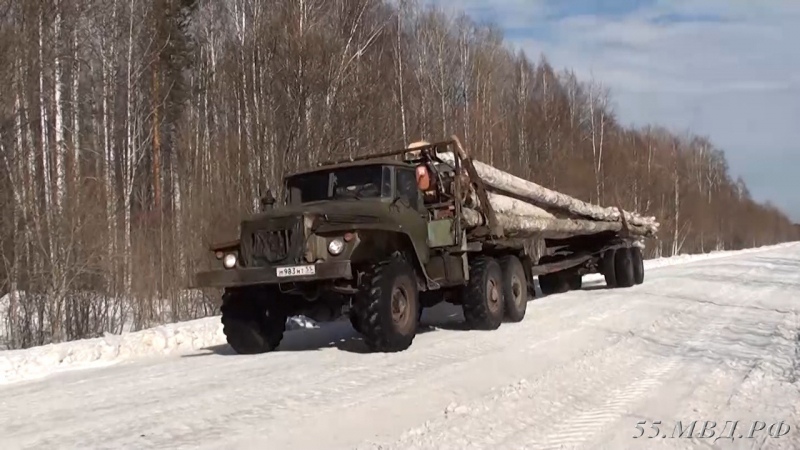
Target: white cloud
point(735, 78)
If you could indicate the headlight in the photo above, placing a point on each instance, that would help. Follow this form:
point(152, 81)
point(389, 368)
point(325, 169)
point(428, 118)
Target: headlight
point(336, 246)
point(229, 261)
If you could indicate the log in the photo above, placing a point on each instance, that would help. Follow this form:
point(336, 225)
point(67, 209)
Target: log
point(529, 226)
point(536, 194)
point(509, 205)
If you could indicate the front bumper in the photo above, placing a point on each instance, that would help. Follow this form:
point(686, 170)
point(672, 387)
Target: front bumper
point(268, 275)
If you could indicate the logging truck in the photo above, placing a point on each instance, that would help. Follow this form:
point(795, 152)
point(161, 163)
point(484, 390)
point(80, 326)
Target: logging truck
point(376, 239)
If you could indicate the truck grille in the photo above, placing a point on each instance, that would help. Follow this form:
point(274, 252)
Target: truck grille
point(269, 246)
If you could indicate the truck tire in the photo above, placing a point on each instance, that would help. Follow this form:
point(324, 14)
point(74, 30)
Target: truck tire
point(607, 267)
point(623, 268)
point(515, 288)
point(357, 325)
point(638, 265)
point(252, 320)
point(483, 303)
point(388, 306)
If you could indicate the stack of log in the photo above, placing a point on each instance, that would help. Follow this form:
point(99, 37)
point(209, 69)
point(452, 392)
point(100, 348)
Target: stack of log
point(525, 209)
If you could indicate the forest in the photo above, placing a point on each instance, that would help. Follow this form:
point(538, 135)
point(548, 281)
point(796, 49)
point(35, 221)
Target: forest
point(134, 133)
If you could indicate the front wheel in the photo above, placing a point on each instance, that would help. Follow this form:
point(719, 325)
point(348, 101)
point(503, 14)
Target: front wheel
point(252, 320)
point(388, 307)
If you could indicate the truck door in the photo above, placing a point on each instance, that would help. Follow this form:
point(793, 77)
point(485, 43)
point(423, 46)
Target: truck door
point(415, 219)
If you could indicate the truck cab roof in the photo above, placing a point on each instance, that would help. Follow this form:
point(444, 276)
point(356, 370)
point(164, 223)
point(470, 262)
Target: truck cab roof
point(360, 163)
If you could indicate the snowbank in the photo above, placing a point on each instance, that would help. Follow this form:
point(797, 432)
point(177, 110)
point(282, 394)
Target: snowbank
point(184, 337)
point(170, 339)
point(37, 362)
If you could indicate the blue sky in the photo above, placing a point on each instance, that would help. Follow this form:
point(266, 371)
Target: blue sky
point(727, 69)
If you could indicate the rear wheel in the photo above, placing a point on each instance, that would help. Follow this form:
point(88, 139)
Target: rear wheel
point(483, 303)
point(515, 288)
point(623, 268)
point(388, 307)
point(252, 320)
point(638, 265)
point(607, 267)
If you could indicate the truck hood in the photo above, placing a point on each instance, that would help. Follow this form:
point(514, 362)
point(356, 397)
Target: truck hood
point(331, 211)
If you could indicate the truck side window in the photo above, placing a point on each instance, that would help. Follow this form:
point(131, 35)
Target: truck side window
point(386, 182)
point(407, 186)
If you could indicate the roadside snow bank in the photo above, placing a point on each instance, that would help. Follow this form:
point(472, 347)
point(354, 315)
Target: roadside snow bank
point(170, 339)
point(186, 337)
point(38, 362)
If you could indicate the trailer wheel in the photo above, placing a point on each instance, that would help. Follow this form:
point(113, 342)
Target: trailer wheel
point(515, 288)
point(623, 268)
point(607, 267)
point(252, 320)
point(638, 265)
point(483, 304)
point(388, 306)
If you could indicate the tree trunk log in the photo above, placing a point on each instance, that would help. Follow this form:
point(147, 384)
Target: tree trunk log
point(506, 182)
point(528, 226)
point(508, 205)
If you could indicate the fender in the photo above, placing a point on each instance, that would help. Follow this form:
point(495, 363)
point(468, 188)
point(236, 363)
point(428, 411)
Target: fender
point(421, 252)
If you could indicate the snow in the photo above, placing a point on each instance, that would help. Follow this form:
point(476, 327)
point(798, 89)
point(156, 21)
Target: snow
point(171, 339)
point(707, 337)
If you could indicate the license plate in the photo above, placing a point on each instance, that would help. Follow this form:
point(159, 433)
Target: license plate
point(296, 271)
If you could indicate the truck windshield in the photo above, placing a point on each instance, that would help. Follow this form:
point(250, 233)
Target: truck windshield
point(345, 183)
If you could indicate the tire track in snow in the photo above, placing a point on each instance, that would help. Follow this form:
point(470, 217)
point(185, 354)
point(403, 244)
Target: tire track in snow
point(579, 428)
point(750, 362)
point(408, 367)
point(522, 431)
point(589, 423)
point(378, 390)
point(486, 424)
point(466, 425)
point(582, 423)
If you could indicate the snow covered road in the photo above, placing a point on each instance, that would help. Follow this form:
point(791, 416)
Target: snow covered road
point(714, 340)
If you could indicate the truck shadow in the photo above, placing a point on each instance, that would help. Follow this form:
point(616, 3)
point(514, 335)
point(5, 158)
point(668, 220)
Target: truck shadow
point(342, 336)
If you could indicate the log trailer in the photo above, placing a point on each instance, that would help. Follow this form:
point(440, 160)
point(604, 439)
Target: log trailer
point(378, 238)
